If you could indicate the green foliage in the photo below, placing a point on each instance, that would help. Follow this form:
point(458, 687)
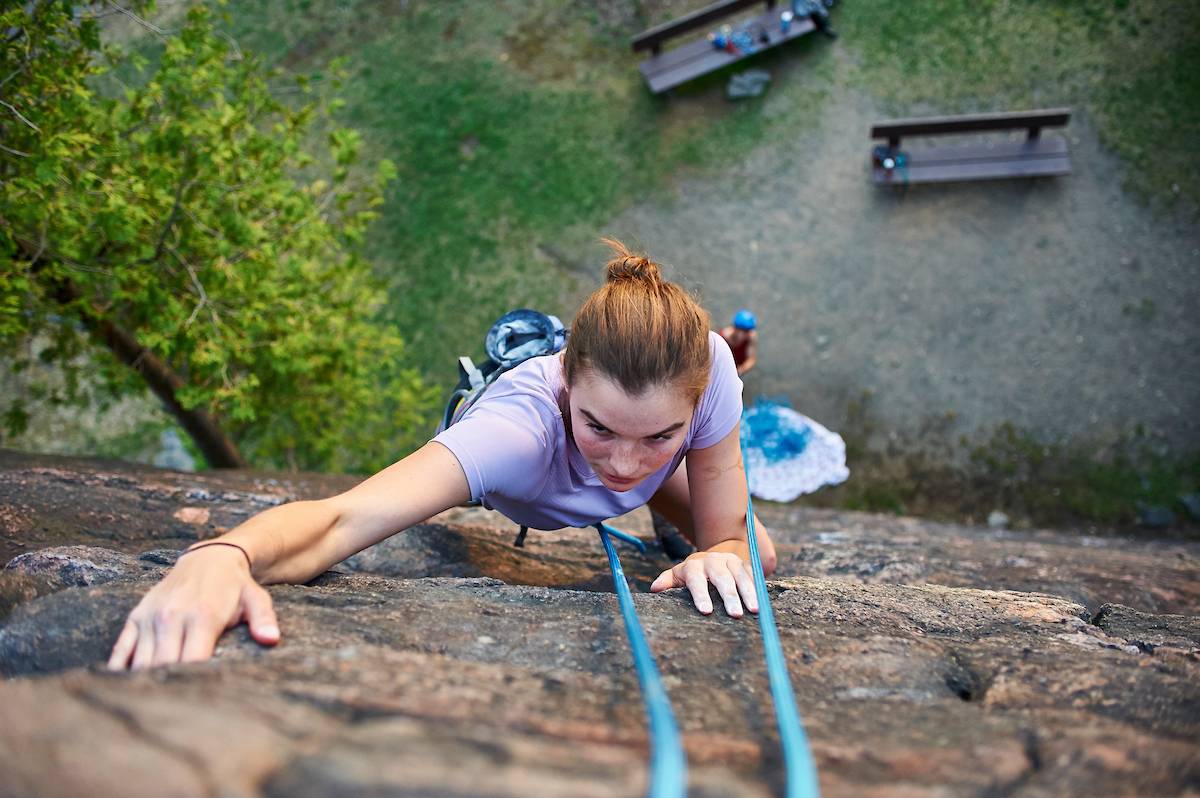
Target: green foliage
point(876, 498)
point(173, 210)
point(1057, 484)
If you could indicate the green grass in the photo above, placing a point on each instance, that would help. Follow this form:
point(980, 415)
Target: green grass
point(512, 123)
point(1057, 484)
point(515, 122)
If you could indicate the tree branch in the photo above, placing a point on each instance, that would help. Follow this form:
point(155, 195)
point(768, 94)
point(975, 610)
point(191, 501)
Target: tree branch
point(19, 115)
point(200, 290)
point(171, 218)
point(144, 23)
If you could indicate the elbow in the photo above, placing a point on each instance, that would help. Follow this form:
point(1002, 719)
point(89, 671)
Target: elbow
point(766, 552)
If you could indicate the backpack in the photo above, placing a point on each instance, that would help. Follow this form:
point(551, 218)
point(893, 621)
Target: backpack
point(513, 338)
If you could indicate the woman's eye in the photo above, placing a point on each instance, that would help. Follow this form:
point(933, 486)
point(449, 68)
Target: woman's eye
point(598, 429)
point(661, 438)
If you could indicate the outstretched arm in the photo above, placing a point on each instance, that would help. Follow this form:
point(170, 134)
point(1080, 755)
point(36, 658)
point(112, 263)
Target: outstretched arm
point(215, 588)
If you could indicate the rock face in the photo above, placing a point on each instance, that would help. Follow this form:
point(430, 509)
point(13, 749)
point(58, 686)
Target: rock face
point(927, 660)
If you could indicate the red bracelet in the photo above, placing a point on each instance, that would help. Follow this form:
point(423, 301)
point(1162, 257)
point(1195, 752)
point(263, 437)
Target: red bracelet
point(199, 546)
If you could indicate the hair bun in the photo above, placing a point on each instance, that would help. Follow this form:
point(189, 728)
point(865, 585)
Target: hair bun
point(627, 266)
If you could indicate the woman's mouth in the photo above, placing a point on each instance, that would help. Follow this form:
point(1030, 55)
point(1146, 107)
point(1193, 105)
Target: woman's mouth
point(618, 481)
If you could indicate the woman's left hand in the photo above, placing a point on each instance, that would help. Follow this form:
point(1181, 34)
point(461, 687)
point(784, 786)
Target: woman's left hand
point(727, 572)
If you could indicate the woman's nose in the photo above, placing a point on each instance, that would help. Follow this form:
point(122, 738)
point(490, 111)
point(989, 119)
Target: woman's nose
point(623, 461)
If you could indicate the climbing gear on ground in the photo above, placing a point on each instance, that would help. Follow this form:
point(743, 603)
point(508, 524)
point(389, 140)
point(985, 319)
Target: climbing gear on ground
point(891, 159)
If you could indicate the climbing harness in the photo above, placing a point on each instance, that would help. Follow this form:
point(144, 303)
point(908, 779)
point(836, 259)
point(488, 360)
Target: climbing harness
point(668, 766)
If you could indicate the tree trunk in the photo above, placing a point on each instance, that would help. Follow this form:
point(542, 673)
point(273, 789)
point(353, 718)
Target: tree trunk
point(218, 448)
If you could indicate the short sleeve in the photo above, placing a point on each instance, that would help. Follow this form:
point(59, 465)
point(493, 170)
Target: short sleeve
point(499, 453)
point(720, 407)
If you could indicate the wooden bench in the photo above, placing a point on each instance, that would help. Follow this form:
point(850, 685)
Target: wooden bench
point(666, 70)
point(1033, 156)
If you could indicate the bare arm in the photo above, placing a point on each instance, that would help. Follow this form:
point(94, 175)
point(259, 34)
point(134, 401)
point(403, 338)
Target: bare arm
point(717, 488)
point(296, 542)
point(212, 589)
point(717, 485)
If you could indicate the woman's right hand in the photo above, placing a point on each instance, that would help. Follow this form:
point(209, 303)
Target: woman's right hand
point(208, 591)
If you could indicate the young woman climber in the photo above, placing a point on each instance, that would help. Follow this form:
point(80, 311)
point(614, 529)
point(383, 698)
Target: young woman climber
point(642, 407)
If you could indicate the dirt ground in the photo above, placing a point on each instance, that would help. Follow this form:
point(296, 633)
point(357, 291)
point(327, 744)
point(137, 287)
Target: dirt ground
point(1065, 306)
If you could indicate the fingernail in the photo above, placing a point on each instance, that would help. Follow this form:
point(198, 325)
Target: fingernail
point(270, 631)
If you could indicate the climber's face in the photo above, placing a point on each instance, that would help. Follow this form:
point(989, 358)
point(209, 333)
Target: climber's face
point(627, 438)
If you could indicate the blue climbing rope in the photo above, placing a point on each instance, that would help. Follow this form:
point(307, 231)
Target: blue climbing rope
point(625, 536)
point(797, 758)
point(668, 765)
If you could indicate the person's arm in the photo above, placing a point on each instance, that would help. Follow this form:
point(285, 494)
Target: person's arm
point(717, 488)
point(216, 587)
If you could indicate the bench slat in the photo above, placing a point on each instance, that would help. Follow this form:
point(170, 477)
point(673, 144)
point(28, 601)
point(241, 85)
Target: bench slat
point(696, 58)
point(978, 171)
point(1038, 158)
point(1048, 147)
point(940, 125)
point(654, 37)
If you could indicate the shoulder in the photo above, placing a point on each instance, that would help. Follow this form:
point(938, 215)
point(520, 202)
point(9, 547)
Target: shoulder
point(721, 356)
point(526, 395)
point(507, 441)
point(720, 405)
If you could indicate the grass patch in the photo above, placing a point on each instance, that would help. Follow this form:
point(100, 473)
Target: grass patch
point(511, 123)
point(1055, 484)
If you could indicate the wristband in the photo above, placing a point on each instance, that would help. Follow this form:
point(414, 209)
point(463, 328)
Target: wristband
point(199, 546)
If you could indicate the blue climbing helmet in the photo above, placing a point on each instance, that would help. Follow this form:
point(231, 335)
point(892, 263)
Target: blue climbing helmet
point(744, 320)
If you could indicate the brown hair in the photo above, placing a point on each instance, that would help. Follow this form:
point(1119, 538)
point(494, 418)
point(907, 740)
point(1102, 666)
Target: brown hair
point(640, 330)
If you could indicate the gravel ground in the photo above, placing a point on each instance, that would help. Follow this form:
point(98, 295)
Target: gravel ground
point(1063, 306)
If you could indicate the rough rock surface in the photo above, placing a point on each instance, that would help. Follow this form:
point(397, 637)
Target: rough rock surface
point(928, 660)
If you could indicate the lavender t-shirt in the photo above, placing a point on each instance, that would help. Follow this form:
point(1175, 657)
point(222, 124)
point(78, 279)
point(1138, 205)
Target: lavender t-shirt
point(519, 459)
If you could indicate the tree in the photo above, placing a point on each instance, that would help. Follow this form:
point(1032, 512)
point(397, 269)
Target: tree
point(173, 234)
